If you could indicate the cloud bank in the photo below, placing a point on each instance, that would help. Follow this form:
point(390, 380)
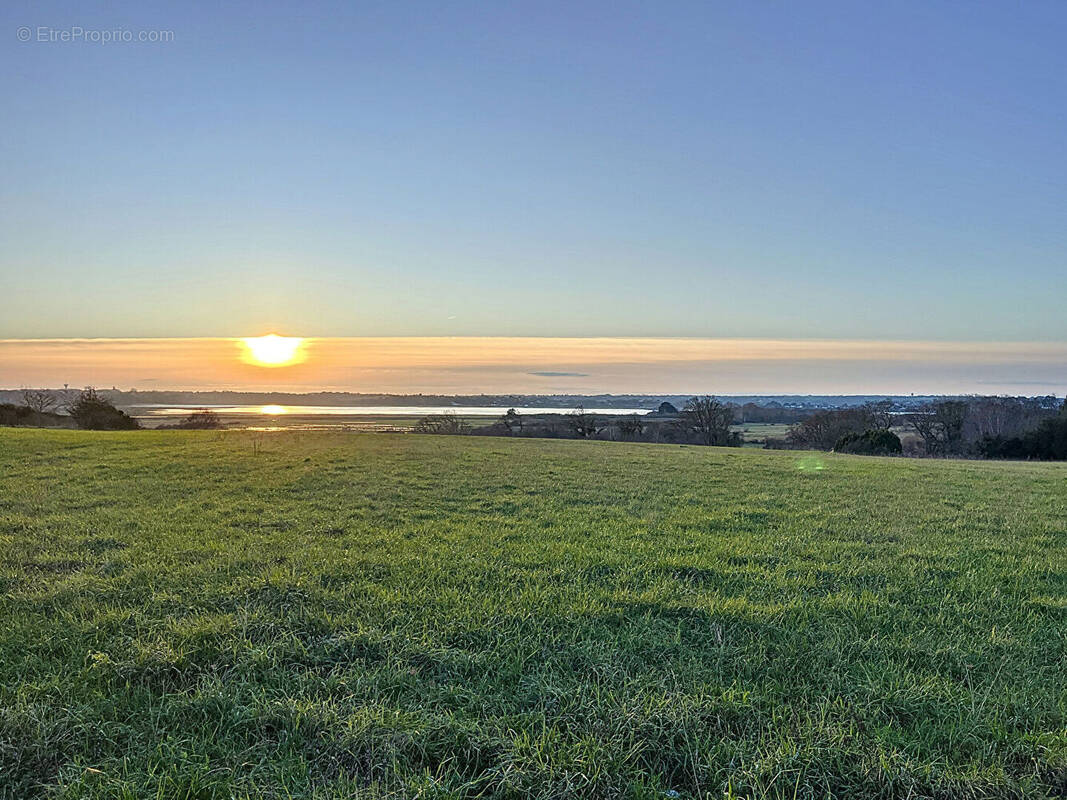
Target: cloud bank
point(495, 365)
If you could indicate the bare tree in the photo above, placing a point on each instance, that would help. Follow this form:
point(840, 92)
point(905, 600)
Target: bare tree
point(709, 420)
point(67, 398)
point(512, 420)
point(40, 400)
point(992, 417)
point(926, 425)
point(823, 429)
point(881, 415)
point(584, 425)
point(952, 416)
point(630, 427)
point(941, 426)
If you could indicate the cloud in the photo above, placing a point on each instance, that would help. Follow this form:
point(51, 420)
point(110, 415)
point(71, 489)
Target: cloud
point(504, 365)
point(1045, 382)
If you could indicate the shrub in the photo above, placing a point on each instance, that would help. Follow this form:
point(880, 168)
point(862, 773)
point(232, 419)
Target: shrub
point(24, 416)
point(447, 423)
point(1002, 447)
point(869, 443)
point(92, 412)
point(202, 420)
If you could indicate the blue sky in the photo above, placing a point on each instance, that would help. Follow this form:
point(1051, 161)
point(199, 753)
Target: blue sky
point(817, 170)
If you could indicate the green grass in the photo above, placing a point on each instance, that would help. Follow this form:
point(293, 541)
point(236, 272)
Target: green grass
point(216, 615)
point(761, 431)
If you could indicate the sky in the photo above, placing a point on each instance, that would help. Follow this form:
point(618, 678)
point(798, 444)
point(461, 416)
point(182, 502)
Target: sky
point(817, 172)
point(543, 365)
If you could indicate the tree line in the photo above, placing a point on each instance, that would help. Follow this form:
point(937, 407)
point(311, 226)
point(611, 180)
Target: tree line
point(702, 420)
point(977, 427)
point(87, 409)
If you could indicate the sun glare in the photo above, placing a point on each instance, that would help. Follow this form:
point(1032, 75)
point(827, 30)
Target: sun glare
point(272, 410)
point(273, 350)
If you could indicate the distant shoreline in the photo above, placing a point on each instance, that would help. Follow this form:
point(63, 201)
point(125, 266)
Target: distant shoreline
point(648, 402)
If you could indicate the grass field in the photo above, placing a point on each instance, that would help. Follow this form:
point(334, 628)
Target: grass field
point(215, 615)
point(761, 431)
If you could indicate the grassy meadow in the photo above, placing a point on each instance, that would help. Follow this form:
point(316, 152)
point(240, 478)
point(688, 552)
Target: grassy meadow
point(326, 615)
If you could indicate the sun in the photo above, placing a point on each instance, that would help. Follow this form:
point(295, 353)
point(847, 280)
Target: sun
point(273, 350)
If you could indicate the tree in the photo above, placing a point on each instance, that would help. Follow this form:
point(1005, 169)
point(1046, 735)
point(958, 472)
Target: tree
point(941, 426)
point(749, 412)
point(512, 420)
point(40, 400)
point(18, 416)
point(951, 415)
point(630, 427)
point(1004, 417)
point(924, 423)
point(824, 429)
point(91, 411)
point(1048, 442)
point(881, 414)
point(583, 425)
point(709, 420)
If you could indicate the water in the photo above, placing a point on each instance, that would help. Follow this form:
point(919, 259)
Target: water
point(382, 419)
point(363, 411)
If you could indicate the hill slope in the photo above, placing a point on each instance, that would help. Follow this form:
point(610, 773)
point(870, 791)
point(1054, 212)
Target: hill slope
point(236, 614)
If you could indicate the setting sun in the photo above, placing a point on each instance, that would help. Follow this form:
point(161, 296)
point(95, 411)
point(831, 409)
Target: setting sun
point(273, 350)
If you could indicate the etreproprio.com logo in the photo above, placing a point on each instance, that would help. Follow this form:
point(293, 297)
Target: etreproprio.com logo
point(77, 34)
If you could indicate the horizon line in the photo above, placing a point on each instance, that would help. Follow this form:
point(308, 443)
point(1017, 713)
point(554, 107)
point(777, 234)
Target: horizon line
point(626, 337)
